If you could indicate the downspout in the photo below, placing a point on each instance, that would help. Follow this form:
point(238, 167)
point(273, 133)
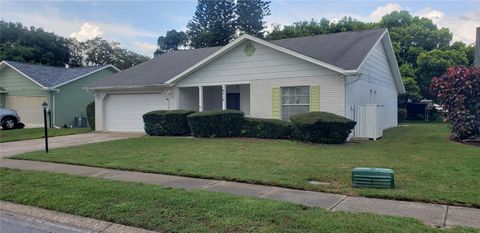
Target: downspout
point(54, 91)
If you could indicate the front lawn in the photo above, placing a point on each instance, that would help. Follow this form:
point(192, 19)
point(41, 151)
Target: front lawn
point(429, 167)
point(177, 210)
point(33, 133)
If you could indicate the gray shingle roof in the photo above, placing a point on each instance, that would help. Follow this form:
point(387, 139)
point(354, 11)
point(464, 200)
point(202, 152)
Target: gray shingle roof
point(345, 50)
point(157, 70)
point(50, 76)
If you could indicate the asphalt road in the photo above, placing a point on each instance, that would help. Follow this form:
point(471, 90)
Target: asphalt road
point(10, 223)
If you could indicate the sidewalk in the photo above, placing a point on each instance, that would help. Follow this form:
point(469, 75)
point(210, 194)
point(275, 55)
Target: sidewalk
point(433, 214)
point(18, 218)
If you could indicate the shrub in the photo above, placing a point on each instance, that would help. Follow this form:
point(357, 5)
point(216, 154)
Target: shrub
point(321, 127)
point(458, 91)
point(91, 115)
point(163, 122)
point(402, 114)
point(266, 128)
point(220, 123)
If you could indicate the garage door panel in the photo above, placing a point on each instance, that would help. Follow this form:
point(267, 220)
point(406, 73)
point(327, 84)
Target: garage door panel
point(29, 108)
point(123, 112)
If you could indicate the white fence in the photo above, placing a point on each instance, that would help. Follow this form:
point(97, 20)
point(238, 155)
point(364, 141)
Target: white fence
point(369, 121)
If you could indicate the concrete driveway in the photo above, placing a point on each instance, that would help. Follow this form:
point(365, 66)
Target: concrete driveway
point(8, 149)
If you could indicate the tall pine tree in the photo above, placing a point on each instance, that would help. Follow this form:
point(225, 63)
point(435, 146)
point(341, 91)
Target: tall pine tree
point(213, 23)
point(250, 16)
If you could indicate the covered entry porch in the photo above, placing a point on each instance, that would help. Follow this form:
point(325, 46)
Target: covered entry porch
point(215, 97)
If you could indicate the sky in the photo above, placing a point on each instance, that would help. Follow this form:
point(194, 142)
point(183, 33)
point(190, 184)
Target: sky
point(138, 24)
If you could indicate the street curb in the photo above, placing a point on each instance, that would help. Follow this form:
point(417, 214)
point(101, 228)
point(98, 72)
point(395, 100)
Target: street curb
point(87, 224)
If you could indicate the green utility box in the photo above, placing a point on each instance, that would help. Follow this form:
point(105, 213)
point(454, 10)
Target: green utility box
point(365, 177)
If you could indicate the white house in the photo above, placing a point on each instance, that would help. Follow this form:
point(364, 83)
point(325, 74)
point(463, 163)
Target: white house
point(336, 73)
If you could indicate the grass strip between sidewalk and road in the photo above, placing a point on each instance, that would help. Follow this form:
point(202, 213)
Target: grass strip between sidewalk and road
point(428, 166)
point(177, 210)
point(35, 133)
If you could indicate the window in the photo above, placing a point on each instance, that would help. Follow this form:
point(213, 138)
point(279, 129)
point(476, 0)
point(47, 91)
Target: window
point(295, 100)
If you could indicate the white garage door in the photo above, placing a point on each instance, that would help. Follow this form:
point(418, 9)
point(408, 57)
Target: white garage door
point(123, 112)
point(29, 108)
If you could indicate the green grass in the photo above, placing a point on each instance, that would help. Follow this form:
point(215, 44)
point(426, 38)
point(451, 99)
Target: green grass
point(177, 210)
point(428, 166)
point(33, 133)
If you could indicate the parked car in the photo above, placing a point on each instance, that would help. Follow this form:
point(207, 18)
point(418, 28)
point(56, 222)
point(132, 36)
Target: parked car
point(10, 119)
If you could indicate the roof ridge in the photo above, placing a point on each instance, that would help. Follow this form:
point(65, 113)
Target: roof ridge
point(330, 34)
point(56, 67)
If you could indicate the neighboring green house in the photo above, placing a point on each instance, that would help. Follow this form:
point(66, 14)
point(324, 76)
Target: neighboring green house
point(24, 87)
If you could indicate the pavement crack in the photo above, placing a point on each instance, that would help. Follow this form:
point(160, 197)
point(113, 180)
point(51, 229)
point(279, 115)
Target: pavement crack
point(213, 183)
point(103, 230)
point(340, 202)
point(267, 192)
point(445, 218)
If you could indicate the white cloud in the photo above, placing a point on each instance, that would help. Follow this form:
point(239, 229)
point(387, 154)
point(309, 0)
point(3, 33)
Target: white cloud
point(462, 27)
point(87, 31)
point(147, 48)
point(378, 13)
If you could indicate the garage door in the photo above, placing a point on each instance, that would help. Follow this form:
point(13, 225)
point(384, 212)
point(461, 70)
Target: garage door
point(29, 108)
point(123, 112)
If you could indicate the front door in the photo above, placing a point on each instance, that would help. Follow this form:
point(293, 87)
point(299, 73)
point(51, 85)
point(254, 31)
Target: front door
point(233, 101)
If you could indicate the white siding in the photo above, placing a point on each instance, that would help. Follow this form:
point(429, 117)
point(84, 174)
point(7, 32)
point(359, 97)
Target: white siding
point(188, 98)
point(265, 63)
point(375, 85)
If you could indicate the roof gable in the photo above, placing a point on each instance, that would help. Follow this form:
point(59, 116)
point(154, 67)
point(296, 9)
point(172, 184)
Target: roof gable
point(50, 76)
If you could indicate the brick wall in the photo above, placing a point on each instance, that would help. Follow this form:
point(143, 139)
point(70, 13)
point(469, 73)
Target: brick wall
point(332, 93)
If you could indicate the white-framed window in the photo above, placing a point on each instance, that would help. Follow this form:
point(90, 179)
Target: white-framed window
point(295, 100)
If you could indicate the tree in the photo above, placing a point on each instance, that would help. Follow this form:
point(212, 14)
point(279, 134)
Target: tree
point(468, 49)
point(414, 35)
point(76, 50)
point(250, 15)
point(98, 51)
point(434, 63)
point(411, 89)
point(348, 24)
point(34, 45)
point(396, 19)
point(213, 23)
point(458, 90)
point(172, 40)
point(312, 27)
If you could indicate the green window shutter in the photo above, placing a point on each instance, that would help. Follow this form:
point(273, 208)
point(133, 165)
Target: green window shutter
point(276, 103)
point(314, 98)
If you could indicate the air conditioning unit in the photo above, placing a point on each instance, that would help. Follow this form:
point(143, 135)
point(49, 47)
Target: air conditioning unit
point(365, 177)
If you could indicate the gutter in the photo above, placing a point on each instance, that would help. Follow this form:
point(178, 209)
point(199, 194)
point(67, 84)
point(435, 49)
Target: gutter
point(125, 87)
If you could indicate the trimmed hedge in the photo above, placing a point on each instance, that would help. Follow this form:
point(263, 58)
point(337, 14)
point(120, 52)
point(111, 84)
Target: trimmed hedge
point(91, 115)
point(167, 123)
point(220, 123)
point(266, 128)
point(321, 127)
